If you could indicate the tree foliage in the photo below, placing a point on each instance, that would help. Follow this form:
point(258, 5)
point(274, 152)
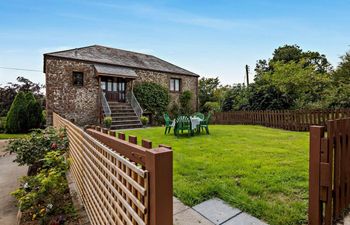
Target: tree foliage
point(9, 91)
point(25, 113)
point(153, 98)
point(185, 103)
point(291, 79)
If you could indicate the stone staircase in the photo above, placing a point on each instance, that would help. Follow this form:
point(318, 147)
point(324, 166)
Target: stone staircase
point(123, 116)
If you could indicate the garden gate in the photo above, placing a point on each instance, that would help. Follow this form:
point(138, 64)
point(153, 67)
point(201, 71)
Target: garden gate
point(329, 181)
point(118, 181)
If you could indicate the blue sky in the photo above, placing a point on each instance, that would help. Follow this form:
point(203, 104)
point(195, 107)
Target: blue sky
point(211, 38)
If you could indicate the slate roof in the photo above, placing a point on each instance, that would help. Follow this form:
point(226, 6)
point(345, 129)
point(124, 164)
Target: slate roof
point(115, 70)
point(119, 57)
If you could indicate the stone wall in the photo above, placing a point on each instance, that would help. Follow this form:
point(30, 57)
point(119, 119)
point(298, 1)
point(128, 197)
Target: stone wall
point(189, 83)
point(78, 104)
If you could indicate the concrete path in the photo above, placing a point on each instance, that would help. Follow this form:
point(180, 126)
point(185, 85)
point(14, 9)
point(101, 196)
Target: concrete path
point(9, 174)
point(212, 212)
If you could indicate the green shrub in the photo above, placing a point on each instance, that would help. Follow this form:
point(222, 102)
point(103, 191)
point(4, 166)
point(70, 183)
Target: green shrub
point(153, 98)
point(144, 120)
point(25, 113)
point(43, 121)
point(107, 121)
point(45, 194)
point(29, 151)
point(34, 112)
point(185, 102)
point(16, 116)
point(174, 111)
point(2, 124)
point(212, 107)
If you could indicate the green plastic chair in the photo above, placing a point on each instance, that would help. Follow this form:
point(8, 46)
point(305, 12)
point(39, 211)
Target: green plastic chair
point(199, 115)
point(205, 123)
point(168, 123)
point(182, 123)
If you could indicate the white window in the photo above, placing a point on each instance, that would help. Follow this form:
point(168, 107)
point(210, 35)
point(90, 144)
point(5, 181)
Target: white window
point(175, 84)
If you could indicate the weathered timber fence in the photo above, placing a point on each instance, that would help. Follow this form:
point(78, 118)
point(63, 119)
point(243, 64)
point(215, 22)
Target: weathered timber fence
point(118, 181)
point(295, 120)
point(329, 181)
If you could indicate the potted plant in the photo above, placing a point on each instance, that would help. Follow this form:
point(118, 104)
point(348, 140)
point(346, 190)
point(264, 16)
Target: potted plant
point(144, 120)
point(107, 122)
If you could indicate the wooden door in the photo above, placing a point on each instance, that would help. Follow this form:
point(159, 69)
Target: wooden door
point(114, 88)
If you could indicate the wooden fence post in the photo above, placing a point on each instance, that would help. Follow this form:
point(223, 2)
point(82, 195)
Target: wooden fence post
point(315, 213)
point(159, 163)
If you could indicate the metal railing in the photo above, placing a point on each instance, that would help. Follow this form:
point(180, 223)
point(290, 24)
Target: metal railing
point(105, 105)
point(130, 97)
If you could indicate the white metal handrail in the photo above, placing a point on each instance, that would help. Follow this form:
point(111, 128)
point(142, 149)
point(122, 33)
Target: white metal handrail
point(105, 105)
point(130, 97)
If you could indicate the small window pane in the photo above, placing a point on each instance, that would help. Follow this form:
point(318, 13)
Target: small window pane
point(78, 78)
point(103, 85)
point(115, 86)
point(177, 85)
point(109, 85)
point(172, 86)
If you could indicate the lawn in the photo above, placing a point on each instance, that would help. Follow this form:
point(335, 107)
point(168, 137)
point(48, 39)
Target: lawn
point(12, 136)
point(262, 171)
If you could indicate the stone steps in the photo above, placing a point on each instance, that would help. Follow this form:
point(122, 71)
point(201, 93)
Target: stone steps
point(123, 116)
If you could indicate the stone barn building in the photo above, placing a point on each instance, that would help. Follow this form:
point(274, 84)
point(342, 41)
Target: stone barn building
point(85, 84)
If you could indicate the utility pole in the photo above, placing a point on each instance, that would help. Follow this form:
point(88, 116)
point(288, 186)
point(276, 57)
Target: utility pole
point(247, 74)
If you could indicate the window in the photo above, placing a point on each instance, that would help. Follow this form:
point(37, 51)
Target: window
point(175, 84)
point(78, 79)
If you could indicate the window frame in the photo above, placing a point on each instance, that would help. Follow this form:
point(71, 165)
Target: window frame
point(172, 83)
point(76, 82)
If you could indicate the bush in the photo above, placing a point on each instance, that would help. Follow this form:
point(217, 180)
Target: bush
point(107, 121)
point(2, 124)
point(144, 120)
point(25, 113)
point(153, 98)
point(211, 107)
point(34, 112)
point(185, 100)
point(29, 151)
point(174, 110)
point(45, 194)
point(16, 119)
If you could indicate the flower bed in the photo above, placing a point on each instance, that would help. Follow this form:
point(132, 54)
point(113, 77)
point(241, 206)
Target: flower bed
point(43, 196)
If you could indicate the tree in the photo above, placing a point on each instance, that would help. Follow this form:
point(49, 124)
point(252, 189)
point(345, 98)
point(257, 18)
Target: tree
point(339, 93)
point(25, 113)
point(16, 119)
point(207, 88)
point(153, 97)
point(8, 93)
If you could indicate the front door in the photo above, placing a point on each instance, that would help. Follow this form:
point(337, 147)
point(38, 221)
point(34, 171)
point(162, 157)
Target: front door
point(114, 88)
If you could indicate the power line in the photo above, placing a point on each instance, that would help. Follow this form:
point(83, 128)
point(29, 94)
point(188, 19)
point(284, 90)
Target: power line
point(22, 69)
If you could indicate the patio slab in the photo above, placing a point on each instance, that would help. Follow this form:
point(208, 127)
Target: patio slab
point(190, 217)
point(244, 219)
point(216, 210)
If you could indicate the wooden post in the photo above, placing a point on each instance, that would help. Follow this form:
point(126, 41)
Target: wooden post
point(121, 136)
point(159, 163)
point(315, 213)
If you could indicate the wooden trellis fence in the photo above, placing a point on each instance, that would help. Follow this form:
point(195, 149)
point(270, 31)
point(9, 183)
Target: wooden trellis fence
point(118, 181)
point(329, 182)
point(295, 120)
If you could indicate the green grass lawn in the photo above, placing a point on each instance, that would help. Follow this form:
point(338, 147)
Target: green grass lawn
point(262, 171)
point(12, 136)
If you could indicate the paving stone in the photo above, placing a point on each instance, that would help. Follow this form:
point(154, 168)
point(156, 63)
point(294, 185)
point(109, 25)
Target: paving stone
point(216, 210)
point(190, 217)
point(244, 219)
point(178, 206)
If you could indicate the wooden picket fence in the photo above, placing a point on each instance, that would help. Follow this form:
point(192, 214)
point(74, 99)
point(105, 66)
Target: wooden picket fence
point(295, 120)
point(329, 181)
point(118, 181)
